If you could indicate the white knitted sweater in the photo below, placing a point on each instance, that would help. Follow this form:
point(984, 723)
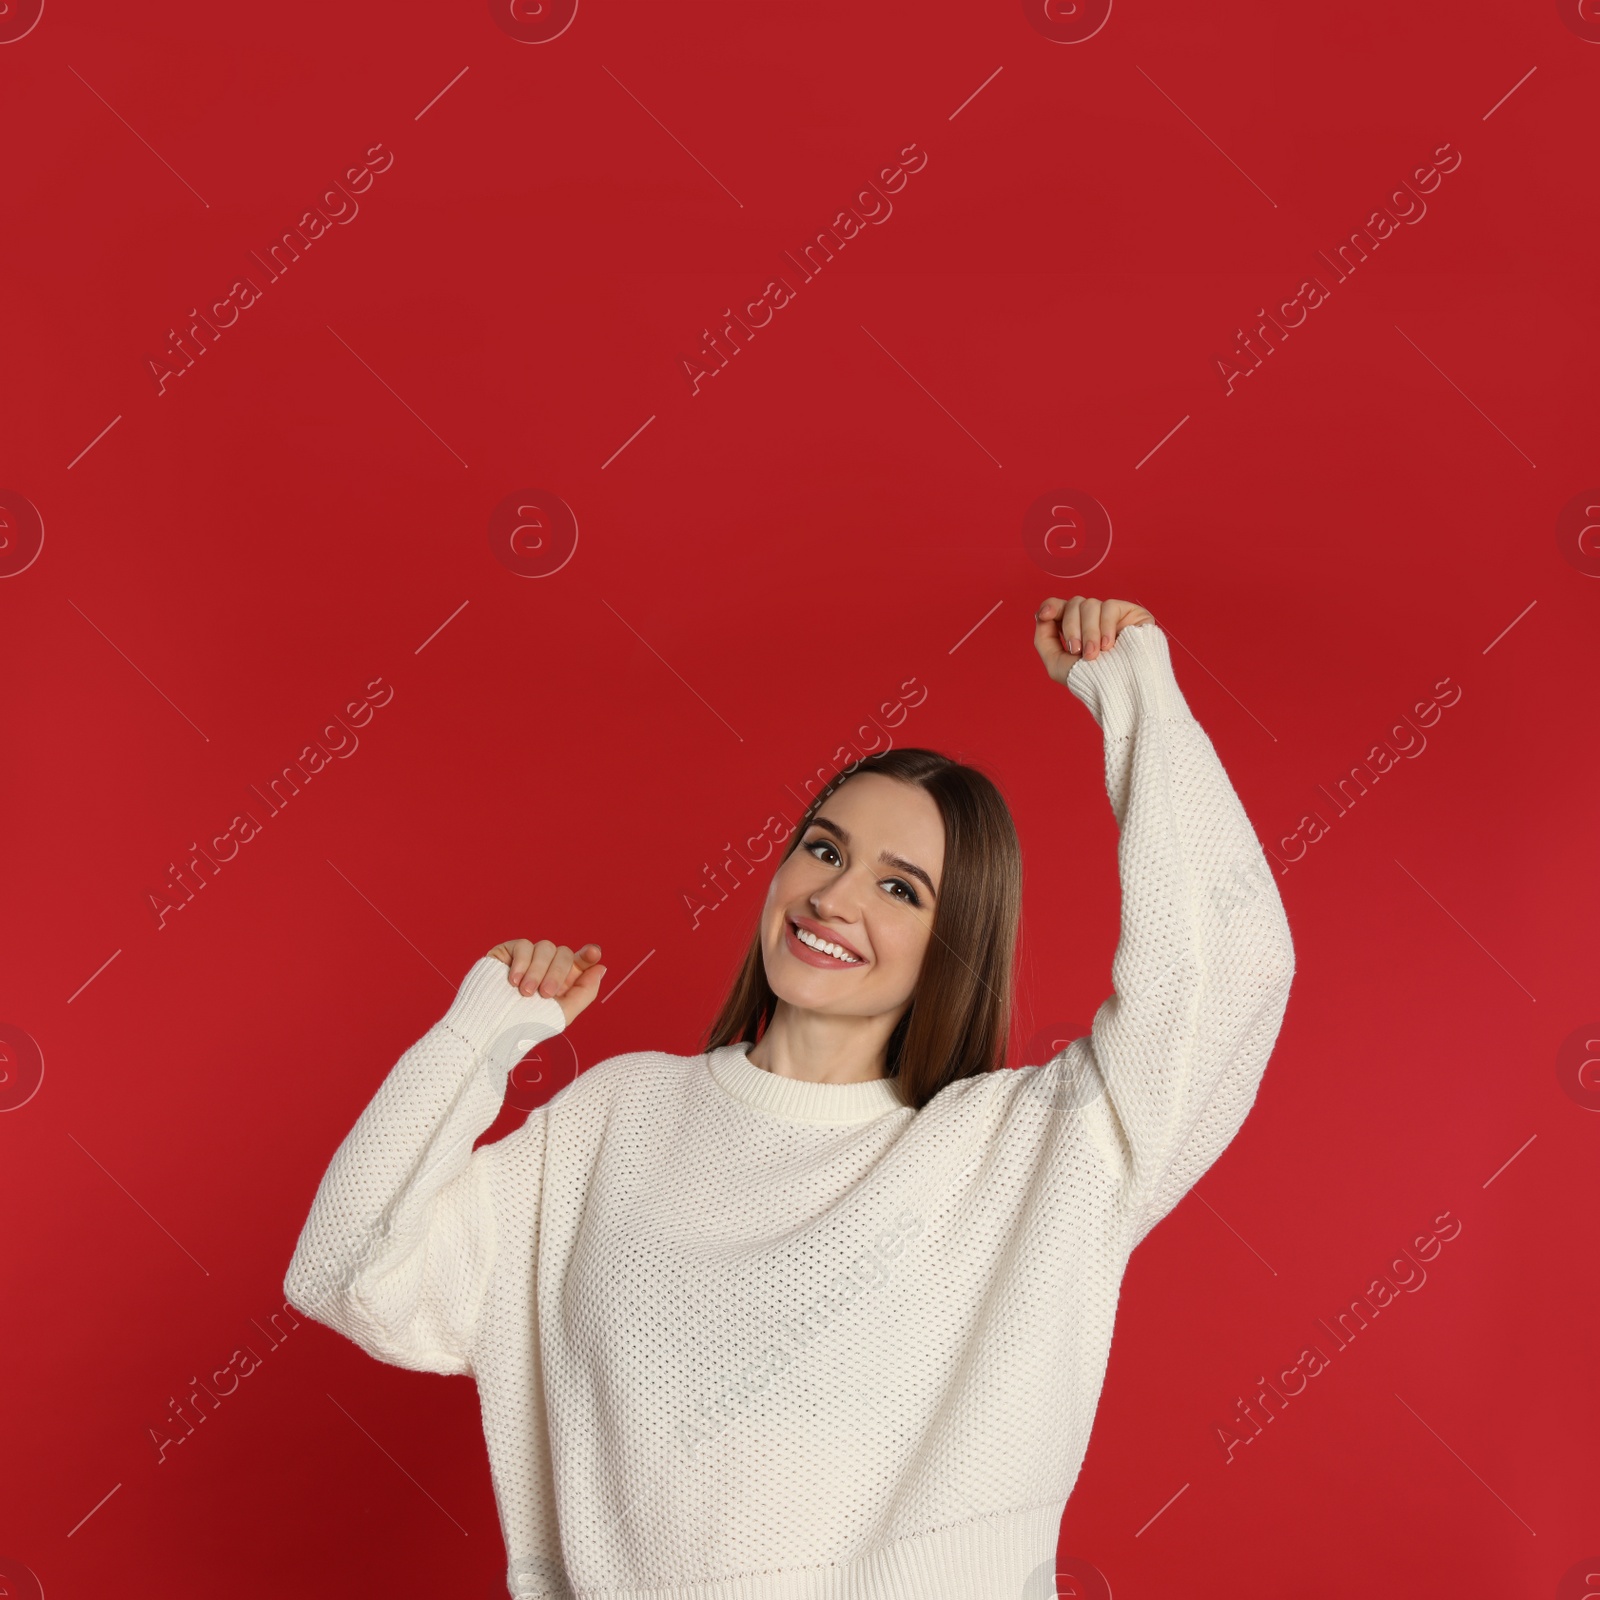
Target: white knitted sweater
point(742, 1337)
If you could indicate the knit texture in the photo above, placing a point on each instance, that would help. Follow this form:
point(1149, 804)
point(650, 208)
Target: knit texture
point(738, 1337)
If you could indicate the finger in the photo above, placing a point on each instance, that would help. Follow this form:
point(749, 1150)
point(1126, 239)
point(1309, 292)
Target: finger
point(1072, 626)
point(588, 981)
point(521, 953)
point(1047, 631)
point(1128, 616)
point(582, 992)
point(1125, 614)
point(1066, 628)
point(1111, 612)
point(1089, 625)
point(1059, 632)
point(501, 953)
point(539, 956)
point(583, 960)
point(554, 981)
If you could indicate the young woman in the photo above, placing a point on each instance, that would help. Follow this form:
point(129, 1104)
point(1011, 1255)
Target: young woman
point(823, 1312)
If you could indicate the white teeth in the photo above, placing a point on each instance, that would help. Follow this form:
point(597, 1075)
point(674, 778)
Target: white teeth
point(805, 936)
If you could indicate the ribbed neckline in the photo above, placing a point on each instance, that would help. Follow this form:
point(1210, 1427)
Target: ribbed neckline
point(835, 1104)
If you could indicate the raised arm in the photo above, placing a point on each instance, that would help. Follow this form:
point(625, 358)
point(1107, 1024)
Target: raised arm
point(1204, 959)
point(398, 1247)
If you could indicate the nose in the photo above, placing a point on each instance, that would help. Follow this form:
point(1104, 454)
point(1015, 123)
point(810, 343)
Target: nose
point(838, 898)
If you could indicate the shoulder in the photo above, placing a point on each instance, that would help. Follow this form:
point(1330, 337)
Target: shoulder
point(575, 1116)
point(1001, 1097)
point(635, 1074)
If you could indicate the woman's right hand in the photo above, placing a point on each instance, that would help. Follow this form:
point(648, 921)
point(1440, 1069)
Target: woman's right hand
point(570, 978)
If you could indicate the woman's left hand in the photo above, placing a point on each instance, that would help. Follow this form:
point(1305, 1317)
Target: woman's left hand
point(1080, 629)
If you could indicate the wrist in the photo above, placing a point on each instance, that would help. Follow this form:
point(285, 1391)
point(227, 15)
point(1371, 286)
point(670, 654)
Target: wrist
point(487, 1007)
point(1131, 680)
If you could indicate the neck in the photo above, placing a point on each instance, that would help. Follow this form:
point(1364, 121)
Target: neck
point(818, 1047)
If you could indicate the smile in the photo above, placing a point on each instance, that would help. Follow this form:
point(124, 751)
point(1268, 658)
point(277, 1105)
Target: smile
point(815, 950)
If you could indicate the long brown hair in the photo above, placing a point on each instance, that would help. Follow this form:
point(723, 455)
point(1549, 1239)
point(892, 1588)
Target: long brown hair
point(960, 1013)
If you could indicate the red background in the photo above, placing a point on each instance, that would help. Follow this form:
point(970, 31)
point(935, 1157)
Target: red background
point(227, 563)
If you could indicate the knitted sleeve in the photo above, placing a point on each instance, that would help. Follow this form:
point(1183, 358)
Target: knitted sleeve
point(400, 1240)
point(1204, 959)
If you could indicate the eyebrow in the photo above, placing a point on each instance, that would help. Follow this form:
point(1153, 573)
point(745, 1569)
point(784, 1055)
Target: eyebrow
point(884, 856)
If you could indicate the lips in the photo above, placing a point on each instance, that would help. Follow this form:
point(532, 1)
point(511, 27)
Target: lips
point(818, 957)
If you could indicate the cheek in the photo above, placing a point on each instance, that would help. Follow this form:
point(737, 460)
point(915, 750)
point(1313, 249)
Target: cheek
point(795, 878)
point(780, 888)
point(783, 889)
point(903, 944)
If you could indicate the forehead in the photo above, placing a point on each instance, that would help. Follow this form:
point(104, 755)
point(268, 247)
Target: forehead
point(885, 814)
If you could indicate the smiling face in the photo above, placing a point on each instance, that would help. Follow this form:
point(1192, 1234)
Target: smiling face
point(864, 878)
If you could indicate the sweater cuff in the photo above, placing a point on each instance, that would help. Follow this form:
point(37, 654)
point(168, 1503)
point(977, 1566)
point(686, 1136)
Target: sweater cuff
point(487, 1009)
point(1131, 680)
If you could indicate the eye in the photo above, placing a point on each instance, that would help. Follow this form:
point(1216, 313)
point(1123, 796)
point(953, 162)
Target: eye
point(910, 897)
